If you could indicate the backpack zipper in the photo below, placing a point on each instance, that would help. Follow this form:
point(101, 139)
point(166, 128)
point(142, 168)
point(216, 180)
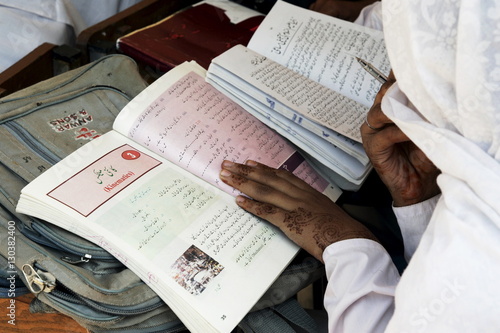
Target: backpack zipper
point(31, 142)
point(65, 295)
point(38, 281)
point(69, 260)
point(97, 253)
point(42, 235)
point(78, 93)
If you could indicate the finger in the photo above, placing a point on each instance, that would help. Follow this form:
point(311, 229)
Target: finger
point(420, 160)
point(391, 77)
point(280, 180)
point(375, 120)
point(277, 195)
point(282, 174)
point(267, 211)
point(261, 173)
point(384, 87)
point(379, 142)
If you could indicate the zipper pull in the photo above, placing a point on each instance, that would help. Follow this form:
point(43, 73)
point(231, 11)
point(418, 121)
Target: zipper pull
point(69, 260)
point(38, 281)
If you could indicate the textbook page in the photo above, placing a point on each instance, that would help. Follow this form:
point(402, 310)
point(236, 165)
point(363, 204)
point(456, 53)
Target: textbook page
point(190, 123)
point(323, 48)
point(344, 160)
point(186, 239)
point(289, 93)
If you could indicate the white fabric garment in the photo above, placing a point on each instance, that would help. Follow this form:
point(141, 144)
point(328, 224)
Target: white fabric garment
point(361, 280)
point(61, 11)
point(371, 16)
point(26, 24)
point(445, 59)
point(95, 11)
point(413, 220)
point(22, 31)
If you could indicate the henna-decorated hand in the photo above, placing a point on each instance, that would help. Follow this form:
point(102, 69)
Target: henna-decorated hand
point(305, 215)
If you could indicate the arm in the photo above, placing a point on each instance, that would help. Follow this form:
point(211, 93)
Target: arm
point(406, 171)
point(306, 216)
point(361, 284)
point(413, 221)
point(361, 275)
point(362, 278)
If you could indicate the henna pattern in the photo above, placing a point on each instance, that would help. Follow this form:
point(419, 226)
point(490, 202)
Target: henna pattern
point(327, 233)
point(245, 170)
point(266, 209)
point(326, 228)
point(297, 219)
point(241, 178)
point(238, 180)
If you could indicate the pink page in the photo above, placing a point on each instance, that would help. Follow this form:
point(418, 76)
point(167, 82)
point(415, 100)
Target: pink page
point(195, 126)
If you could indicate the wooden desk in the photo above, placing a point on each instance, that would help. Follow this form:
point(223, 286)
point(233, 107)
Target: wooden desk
point(36, 322)
point(33, 68)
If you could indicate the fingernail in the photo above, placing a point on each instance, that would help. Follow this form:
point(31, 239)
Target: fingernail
point(227, 164)
point(240, 199)
point(225, 173)
point(251, 163)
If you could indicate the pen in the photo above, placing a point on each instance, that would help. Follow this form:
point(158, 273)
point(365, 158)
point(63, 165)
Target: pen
point(372, 70)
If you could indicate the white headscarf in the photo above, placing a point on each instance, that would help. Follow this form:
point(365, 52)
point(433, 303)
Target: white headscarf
point(446, 58)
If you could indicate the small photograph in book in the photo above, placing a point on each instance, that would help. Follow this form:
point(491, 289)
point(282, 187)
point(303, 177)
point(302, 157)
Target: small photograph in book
point(194, 270)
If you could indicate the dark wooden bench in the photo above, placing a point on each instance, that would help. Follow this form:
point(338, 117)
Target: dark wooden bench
point(33, 68)
point(100, 39)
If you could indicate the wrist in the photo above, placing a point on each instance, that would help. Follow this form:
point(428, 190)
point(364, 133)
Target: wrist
point(324, 234)
point(402, 201)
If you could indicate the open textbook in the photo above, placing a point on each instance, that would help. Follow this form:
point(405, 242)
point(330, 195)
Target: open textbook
point(299, 74)
point(149, 192)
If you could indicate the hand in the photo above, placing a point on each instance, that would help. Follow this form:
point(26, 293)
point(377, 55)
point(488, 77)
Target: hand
point(406, 171)
point(305, 215)
point(345, 10)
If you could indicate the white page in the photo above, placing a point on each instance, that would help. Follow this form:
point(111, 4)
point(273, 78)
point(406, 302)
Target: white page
point(148, 213)
point(234, 11)
point(323, 48)
point(292, 95)
point(236, 87)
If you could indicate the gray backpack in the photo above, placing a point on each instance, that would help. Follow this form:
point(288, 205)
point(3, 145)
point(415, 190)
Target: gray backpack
point(41, 125)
